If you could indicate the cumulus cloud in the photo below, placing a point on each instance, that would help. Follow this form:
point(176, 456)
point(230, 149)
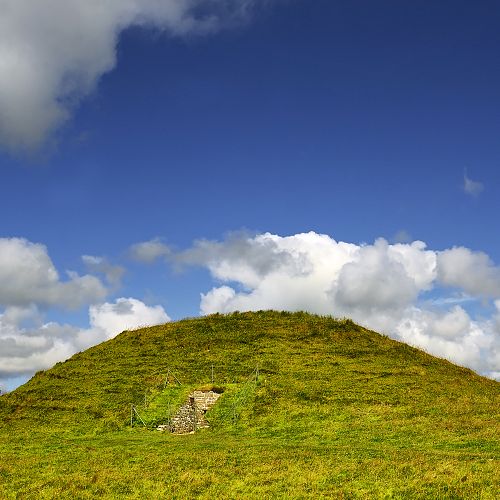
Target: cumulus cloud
point(384, 276)
point(472, 188)
point(53, 52)
point(314, 272)
point(473, 272)
point(124, 314)
point(28, 344)
point(28, 276)
point(149, 251)
point(381, 286)
point(244, 259)
point(453, 335)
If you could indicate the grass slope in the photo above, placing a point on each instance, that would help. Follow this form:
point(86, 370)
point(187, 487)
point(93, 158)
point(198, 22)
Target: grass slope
point(337, 411)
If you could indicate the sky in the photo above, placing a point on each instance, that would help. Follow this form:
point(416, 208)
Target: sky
point(162, 159)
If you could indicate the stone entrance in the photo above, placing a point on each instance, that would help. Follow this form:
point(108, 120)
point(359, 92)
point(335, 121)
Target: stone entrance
point(191, 415)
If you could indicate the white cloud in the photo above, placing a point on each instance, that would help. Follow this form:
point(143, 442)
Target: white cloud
point(314, 272)
point(28, 276)
point(381, 286)
point(384, 276)
point(497, 316)
point(248, 259)
point(53, 52)
point(452, 335)
point(473, 272)
point(217, 300)
point(28, 344)
point(149, 251)
point(472, 188)
point(125, 314)
point(454, 323)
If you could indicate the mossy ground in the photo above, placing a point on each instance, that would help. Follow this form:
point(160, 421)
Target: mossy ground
point(336, 411)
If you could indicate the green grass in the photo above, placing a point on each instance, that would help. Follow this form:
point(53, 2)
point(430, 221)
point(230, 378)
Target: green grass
point(336, 411)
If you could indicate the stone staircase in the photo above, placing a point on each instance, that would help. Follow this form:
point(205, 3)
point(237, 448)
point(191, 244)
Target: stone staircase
point(191, 415)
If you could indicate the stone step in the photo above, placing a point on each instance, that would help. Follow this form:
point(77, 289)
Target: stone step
point(191, 415)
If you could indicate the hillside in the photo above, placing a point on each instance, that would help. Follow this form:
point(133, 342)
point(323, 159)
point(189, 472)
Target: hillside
point(311, 407)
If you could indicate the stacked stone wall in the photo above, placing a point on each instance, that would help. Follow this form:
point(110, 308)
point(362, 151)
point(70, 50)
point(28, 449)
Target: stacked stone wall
point(191, 415)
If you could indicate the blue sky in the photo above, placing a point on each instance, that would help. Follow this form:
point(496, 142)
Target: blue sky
point(159, 123)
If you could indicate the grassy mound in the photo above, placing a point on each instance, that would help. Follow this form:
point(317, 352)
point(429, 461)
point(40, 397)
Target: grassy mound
point(311, 407)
